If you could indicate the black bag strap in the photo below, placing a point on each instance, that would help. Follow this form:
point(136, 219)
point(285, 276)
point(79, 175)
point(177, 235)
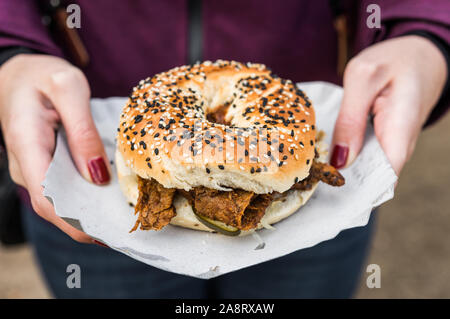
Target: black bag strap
point(55, 17)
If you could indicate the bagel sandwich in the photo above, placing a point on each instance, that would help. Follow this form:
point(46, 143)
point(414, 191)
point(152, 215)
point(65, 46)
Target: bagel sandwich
point(219, 146)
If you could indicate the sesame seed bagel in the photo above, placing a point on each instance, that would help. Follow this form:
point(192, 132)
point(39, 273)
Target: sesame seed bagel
point(263, 142)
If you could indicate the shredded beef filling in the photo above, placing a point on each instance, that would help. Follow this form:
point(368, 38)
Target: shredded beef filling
point(154, 206)
point(320, 172)
point(255, 211)
point(238, 208)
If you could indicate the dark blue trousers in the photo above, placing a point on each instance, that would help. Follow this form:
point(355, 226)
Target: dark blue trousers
point(331, 269)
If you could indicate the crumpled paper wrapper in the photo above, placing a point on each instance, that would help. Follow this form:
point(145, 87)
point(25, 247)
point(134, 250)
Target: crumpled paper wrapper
point(104, 214)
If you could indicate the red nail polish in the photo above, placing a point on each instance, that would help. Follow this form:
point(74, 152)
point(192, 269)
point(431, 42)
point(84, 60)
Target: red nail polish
point(100, 243)
point(98, 170)
point(339, 156)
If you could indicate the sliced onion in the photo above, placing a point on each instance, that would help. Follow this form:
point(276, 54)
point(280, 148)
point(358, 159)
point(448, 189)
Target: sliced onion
point(261, 243)
point(266, 225)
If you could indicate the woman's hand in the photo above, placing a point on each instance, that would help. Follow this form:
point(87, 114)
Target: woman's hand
point(37, 92)
point(398, 81)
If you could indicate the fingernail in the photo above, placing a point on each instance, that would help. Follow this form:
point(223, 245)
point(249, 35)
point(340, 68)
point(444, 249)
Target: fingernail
point(98, 170)
point(339, 156)
point(100, 243)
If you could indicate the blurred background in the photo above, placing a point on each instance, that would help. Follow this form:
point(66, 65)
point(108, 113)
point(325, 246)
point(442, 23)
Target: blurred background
point(411, 244)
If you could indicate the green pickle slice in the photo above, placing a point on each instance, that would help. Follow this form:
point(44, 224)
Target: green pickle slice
point(218, 226)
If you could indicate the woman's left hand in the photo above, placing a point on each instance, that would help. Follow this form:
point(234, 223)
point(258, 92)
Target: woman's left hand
point(398, 81)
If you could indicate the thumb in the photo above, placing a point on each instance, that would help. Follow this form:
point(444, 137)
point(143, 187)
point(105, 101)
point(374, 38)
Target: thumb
point(362, 83)
point(69, 93)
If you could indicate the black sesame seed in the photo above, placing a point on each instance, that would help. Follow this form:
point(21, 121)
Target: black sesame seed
point(264, 101)
point(138, 118)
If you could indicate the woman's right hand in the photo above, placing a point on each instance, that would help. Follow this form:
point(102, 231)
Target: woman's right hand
point(37, 93)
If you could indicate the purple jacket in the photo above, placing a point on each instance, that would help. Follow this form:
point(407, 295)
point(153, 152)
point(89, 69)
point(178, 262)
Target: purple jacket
point(130, 40)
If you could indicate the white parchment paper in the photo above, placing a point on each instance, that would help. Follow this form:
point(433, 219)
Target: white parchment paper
point(103, 212)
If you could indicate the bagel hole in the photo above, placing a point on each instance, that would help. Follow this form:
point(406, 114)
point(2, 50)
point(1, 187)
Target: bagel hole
point(218, 114)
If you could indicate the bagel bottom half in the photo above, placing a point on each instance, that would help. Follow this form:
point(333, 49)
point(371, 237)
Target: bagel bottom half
point(280, 208)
